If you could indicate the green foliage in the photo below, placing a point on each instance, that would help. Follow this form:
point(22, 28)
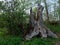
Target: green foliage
point(13, 17)
point(53, 27)
point(15, 22)
point(3, 31)
point(35, 9)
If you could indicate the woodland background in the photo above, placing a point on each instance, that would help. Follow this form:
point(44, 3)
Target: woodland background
point(14, 20)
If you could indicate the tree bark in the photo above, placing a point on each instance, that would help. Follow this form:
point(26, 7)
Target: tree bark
point(46, 10)
point(38, 27)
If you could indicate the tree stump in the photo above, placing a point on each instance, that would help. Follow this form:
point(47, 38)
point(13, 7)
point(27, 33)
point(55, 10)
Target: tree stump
point(36, 21)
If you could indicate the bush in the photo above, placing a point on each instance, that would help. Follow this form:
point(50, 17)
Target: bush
point(14, 21)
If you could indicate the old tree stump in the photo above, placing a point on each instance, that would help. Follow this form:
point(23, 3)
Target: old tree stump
point(37, 26)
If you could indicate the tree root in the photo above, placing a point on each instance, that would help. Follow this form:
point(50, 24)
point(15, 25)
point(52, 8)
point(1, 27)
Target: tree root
point(44, 32)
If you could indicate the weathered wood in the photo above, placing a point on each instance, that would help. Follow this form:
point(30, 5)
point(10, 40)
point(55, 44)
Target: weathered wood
point(50, 33)
point(38, 27)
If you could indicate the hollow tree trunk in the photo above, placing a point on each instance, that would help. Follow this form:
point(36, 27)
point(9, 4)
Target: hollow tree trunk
point(38, 26)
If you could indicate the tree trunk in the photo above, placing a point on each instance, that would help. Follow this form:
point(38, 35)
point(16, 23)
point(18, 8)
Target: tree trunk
point(38, 27)
point(46, 10)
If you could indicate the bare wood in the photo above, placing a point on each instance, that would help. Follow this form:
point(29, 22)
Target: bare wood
point(38, 25)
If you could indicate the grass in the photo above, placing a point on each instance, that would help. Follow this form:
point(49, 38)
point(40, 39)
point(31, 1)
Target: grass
point(39, 41)
point(10, 40)
point(18, 40)
point(55, 28)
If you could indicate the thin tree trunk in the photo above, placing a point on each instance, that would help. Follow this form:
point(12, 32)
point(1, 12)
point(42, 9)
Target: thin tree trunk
point(46, 10)
point(59, 8)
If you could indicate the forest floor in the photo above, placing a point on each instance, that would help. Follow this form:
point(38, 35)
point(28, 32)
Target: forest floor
point(18, 40)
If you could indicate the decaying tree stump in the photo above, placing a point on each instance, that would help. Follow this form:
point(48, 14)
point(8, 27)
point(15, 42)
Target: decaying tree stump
point(36, 22)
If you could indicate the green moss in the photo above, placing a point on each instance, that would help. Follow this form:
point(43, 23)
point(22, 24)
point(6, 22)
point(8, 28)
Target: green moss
point(34, 9)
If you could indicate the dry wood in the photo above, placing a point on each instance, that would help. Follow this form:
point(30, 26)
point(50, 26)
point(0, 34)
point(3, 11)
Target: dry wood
point(38, 26)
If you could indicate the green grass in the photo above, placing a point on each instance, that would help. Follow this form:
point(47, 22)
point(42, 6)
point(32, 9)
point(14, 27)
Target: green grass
point(39, 41)
point(55, 28)
point(10, 40)
point(16, 40)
